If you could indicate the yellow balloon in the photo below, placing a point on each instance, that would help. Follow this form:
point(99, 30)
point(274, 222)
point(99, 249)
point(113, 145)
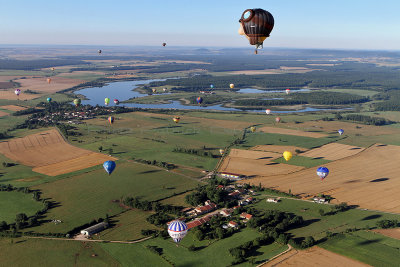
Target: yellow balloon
point(252, 129)
point(287, 155)
point(231, 85)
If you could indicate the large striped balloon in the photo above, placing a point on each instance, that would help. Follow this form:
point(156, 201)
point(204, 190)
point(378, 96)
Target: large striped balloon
point(177, 230)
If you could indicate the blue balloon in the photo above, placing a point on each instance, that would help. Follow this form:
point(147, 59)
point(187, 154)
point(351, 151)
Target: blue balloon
point(49, 99)
point(109, 166)
point(322, 172)
point(340, 131)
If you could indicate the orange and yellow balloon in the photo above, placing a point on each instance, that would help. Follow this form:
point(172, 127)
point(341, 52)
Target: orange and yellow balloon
point(176, 119)
point(111, 120)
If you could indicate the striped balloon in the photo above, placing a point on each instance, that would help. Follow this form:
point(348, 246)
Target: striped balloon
point(177, 230)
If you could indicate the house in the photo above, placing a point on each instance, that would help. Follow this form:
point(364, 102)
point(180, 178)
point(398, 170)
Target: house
point(243, 203)
point(220, 187)
point(94, 229)
point(319, 200)
point(246, 216)
point(250, 199)
point(209, 206)
point(272, 200)
point(226, 212)
point(199, 221)
point(240, 190)
point(230, 176)
point(233, 224)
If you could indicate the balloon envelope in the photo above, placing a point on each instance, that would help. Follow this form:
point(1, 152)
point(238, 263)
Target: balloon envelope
point(99, 51)
point(176, 119)
point(211, 86)
point(17, 91)
point(340, 131)
point(177, 230)
point(277, 119)
point(106, 101)
point(77, 102)
point(231, 85)
point(48, 80)
point(322, 172)
point(287, 155)
point(116, 101)
point(287, 91)
point(48, 99)
point(199, 100)
point(252, 129)
point(109, 166)
point(111, 119)
point(256, 24)
point(221, 151)
point(268, 111)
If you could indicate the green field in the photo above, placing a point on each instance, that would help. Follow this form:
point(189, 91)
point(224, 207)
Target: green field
point(302, 161)
point(89, 196)
point(12, 203)
point(215, 254)
point(40, 252)
point(128, 226)
point(317, 225)
point(371, 248)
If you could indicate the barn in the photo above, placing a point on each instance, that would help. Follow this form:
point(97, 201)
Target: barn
point(94, 229)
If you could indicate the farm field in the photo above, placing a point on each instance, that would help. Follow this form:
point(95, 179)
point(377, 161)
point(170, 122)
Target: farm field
point(393, 232)
point(333, 151)
point(41, 85)
point(307, 162)
point(286, 131)
point(49, 154)
point(367, 248)
point(278, 149)
point(313, 257)
point(368, 179)
point(80, 203)
point(2, 113)
point(13, 107)
point(28, 251)
point(12, 203)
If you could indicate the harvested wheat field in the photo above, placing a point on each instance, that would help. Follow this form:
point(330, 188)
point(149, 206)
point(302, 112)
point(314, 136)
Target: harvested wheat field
point(2, 113)
point(278, 149)
point(255, 163)
point(49, 154)
point(333, 151)
point(370, 179)
point(314, 256)
point(13, 107)
point(348, 127)
point(10, 95)
point(41, 84)
point(393, 232)
point(277, 130)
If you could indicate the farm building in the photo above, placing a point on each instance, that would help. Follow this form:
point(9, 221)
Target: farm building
point(94, 229)
point(233, 224)
point(209, 206)
point(231, 176)
point(319, 200)
point(273, 200)
point(246, 216)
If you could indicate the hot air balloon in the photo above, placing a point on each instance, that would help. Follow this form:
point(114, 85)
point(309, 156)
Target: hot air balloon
point(287, 155)
point(154, 90)
point(268, 111)
point(17, 92)
point(199, 100)
point(177, 230)
point(211, 86)
point(232, 85)
point(322, 172)
point(48, 80)
point(176, 119)
point(111, 119)
point(99, 51)
point(252, 129)
point(256, 24)
point(340, 131)
point(109, 166)
point(77, 102)
point(48, 99)
point(277, 119)
point(287, 91)
point(53, 69)
point(164, 44)
point(116, 101)
point(106, 101)
point(164, 89)
point(221, 151)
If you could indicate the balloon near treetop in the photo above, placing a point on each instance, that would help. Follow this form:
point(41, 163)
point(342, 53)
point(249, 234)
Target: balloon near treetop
point(109, 166)
point(287, 155)
point(177, 230)
point(77, 102)
point(256, 24)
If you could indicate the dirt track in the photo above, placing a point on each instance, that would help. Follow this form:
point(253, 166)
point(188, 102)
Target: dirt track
point(49, 154)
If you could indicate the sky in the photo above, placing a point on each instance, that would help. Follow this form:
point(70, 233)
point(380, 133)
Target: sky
point(337, 24)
